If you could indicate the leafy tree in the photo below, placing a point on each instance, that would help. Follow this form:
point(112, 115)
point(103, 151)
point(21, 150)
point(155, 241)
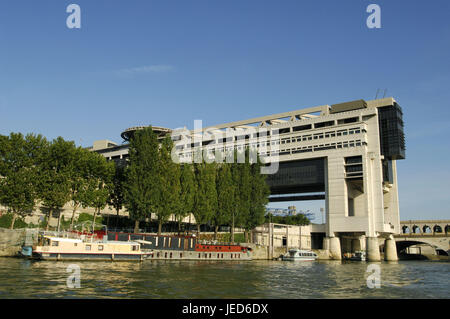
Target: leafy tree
point(205, 202)
point(79, 179)
point(142, 189)
point(100, 175)
point(187, 192)
point(170, 188)
point(225, 197)
point(55, 176)
point(241, 173)
point(117, 189)
point(19, 161)
point(259, 198)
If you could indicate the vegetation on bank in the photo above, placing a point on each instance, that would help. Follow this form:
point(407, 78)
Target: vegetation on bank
point(298, 219)
point(233, 194)
point(54, 173)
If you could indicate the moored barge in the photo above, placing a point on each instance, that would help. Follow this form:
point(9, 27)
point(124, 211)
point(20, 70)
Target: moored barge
point(59, 248)
point(183, 247)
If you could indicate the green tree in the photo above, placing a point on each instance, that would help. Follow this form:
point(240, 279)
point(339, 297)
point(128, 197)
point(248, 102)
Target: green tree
point(79, 179)
point(142, 189)
point(187, 193)
point(100, 173)
point(169, 181)
point(19, 163)
point(241, 173)
point(55, 174)
point(259, 198)
point(117, 189)
point(205, 202)
point(225, 197)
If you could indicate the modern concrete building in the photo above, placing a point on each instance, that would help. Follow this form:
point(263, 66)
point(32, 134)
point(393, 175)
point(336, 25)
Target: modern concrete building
point(345, 154)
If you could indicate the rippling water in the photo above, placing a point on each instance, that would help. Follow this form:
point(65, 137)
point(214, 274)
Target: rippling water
point(21, 278)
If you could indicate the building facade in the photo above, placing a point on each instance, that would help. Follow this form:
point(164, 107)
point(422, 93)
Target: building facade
point(345, 154)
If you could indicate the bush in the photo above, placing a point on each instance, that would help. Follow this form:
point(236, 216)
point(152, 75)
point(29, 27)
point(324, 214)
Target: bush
point(5, 221)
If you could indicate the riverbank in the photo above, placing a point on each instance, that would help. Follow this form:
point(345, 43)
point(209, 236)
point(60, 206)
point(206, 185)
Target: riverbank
point(11, 241)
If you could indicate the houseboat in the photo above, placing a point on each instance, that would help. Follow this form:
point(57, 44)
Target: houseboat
point(59, 248)
point(299, 255)
point(183, 247)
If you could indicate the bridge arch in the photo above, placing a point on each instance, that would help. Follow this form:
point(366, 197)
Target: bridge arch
point(416, 229)
point(406, 230)
point(437, 229)
point(402, 244)
point(447, 229)
point(426, 229)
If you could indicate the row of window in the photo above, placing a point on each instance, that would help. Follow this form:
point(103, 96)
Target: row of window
point(305, 149)
point(300, 138)
point(200, 255)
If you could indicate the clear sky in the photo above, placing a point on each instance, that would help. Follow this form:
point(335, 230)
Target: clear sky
point(169, 62)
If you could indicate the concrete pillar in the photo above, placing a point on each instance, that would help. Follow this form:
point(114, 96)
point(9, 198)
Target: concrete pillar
point(335, 248)
point(390, 249)
point(326, 243)
point(373, 249)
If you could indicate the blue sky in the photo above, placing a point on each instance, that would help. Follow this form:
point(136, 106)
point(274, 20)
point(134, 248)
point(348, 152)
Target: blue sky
point(168, 63)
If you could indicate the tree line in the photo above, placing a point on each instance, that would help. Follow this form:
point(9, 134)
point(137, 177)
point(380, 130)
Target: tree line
point(233, 194)
point(53, 173)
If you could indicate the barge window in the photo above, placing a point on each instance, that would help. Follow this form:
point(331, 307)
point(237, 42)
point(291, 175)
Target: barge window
point(55, 243)
point(88, 247)
point(100, 247)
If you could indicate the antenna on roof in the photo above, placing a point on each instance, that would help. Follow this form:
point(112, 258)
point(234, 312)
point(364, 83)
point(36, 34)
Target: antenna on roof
point(378, 90)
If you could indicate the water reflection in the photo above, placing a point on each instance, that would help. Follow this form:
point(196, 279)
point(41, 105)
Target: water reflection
point(218, 279)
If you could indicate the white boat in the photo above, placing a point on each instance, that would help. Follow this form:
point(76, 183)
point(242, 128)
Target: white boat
point(300, 254)
point(58, 248)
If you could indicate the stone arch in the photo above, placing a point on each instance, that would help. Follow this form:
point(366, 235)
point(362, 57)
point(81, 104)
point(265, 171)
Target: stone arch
point(416, 229)
point(406, 230)
point(447, 229)
point(437, 229)
point(403, 244)
point(426, 229)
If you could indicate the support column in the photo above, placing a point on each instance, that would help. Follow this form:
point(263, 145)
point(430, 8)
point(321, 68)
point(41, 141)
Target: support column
point(373, 249)
point(326, 243)
point(390, 249)
point(335, 248)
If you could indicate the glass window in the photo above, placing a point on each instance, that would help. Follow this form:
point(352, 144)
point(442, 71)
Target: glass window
point(88, 247)
point(100, 247)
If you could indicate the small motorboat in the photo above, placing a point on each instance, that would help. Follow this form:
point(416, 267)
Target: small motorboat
point(300, 254)
point(356, 256)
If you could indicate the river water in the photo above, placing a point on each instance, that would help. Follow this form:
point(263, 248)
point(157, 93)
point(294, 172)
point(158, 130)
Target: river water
point(21, 278)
